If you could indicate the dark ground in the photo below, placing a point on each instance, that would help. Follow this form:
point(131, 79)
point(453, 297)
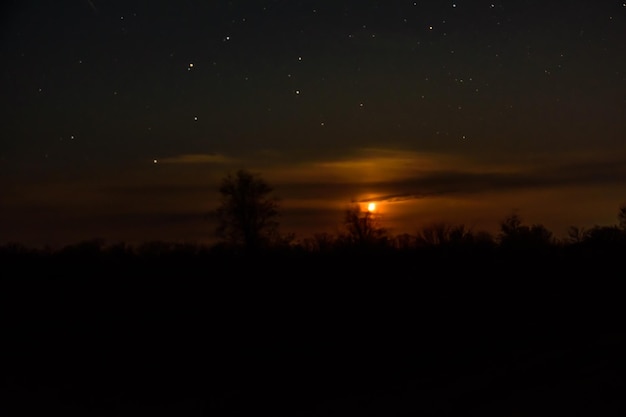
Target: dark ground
point(300, 337)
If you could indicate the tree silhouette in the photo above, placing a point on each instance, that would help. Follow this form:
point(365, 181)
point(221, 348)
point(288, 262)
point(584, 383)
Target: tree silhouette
point(605, 235)
point(440, 234)
point(513, 234)
point(363, 228)
point(246, 216)
point(435, 234)
point(320, 242)
point(621, 216)
point(575, 234)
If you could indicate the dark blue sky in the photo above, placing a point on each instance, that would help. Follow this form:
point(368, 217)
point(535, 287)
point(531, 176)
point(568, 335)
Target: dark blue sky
point(119, 117)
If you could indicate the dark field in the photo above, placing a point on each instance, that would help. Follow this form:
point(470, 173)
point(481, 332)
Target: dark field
point(428, 333)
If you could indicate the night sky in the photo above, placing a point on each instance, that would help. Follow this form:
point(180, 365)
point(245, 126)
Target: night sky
point(119, 118)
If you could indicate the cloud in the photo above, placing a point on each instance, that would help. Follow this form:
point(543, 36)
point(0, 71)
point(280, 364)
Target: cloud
point(366, 165)
point(465, 182)
point(397, 175)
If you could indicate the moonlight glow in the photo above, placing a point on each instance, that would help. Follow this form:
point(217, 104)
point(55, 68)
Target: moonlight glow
point(444, 111)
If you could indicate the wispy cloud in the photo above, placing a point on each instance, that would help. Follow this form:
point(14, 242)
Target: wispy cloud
point(397, 175)
point(367, 165)
point(466, 180)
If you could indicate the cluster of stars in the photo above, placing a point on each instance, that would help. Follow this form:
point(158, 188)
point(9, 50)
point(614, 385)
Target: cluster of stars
point(374, 54)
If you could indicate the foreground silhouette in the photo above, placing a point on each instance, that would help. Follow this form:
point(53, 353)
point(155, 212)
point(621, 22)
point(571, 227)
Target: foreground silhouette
point(446, 322)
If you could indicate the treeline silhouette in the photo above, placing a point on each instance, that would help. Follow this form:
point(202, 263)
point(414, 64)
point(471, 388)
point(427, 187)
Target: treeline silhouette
point(447, 321)
point(363, 245)
point(247, 225)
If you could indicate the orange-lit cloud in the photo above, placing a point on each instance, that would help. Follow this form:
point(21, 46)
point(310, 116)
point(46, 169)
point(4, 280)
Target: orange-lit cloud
point(368, 165)
point(415, 188)
point(412, 188)
point(395, 175)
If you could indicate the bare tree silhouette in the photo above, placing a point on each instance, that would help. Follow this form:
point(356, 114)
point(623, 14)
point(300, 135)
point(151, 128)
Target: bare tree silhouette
point(514, 234)
point(440, 234)
point(621, 216)
point(320, 242)
point(575, 234)
point(605, 235)
point(246, 216)
point(363, 228)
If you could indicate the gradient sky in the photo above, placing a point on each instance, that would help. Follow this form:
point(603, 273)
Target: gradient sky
point(119, 118)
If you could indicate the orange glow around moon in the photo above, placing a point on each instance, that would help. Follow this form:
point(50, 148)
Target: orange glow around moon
point(371, 207)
